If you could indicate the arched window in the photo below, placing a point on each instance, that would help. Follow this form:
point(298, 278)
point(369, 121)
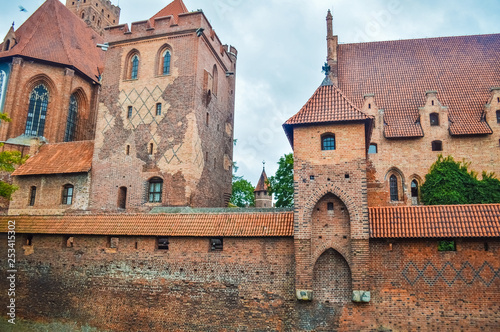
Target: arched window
point(372, 148)
point(437, 146)
point(155, 190)
point(37, 111)
point(69, 135)
point(3, 82)
point(134, 67)
point(328, 142)
point(214, 80)
point(166, 62)
point(122, 197)
point(414, 192)
point(7, 45)
point(393, 185)
point(83, 15)
point(434, 118)
point(32, 195)
point(67, 194)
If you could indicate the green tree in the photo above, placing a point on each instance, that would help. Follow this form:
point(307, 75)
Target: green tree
point(242, 194)
point(7, 161)
point(450, 182)
point(281, 184)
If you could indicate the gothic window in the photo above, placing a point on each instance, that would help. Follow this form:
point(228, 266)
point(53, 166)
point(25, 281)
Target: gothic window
point(166, 62)
point(32, 195)
point(328, 142)
point(3, 82)
point(37, 111)
point(393, 186)
point(214, 80)
point(67, 194)
point(155, 190)
point(434, 118)
point(135, 67)
point(372, 148)
point(71, 121)
point(414, 192)
point(437, 146)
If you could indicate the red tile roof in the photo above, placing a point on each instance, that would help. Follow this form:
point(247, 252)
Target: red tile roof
point(461, 70)
point(327, 104)
point(193, 224)
point(435, 221)
point(262, 184)
point(59, 158)
point(53, 33)
point(174, 8)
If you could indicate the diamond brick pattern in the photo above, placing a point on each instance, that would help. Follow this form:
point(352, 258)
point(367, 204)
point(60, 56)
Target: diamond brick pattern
point(434, 221)
point(449, 274)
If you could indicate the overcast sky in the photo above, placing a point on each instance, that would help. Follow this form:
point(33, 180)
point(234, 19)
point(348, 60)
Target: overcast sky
point(281, 48)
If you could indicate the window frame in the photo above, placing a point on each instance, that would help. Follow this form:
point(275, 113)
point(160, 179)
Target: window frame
point(69, 133)
point(155, 195)
point(370, 147)
point(32, 196)
point(329, 146)
point(216, 243)
point(434, 119)
point(393, 188)
point(37, 109)
point(498, 116)
point(166, 62)
point(68, 194)
point(437, 145)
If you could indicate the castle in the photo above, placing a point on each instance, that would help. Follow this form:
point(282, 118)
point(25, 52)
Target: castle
point(119, 219)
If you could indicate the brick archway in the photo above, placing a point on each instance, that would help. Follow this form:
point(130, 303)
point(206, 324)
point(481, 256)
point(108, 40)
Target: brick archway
point(332, 278)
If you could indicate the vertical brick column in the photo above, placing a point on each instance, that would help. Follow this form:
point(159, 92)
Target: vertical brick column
point(14, 92)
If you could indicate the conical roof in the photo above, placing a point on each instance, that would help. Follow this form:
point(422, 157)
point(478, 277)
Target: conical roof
point(53, 33)
point(174, 8)
point(262, 184)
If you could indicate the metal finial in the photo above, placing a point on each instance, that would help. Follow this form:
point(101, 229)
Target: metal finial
point(326, 68)
point(263, 164)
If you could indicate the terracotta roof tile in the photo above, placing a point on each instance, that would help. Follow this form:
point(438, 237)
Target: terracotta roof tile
point(59, 158)
point(174, 8)
point(327, 104)
point(53, 33)
point(435, 221)
point(262, 184)
point(461, 70)
point(194, 224)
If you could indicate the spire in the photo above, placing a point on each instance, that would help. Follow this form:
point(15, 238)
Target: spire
point(262, 184)
point(331, 54)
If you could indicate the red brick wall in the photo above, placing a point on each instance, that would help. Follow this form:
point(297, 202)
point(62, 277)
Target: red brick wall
point(250, 285)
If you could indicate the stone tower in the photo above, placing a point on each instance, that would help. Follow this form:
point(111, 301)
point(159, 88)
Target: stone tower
point(263, 199)
point(164, 134)
point(330, 138)
point(98, 14)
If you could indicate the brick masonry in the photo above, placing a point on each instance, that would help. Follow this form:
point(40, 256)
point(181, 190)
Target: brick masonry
point(139, 287)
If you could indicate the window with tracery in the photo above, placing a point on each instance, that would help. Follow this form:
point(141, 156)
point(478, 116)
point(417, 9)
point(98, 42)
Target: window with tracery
point(69, 135)
point(37, 111)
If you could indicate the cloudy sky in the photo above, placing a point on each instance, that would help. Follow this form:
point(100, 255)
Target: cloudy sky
point(281, 48)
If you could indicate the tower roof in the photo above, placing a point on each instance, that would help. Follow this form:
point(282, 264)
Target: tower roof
point(174, 8)
point(327, 104)
point(262, 184)
point(53, 33)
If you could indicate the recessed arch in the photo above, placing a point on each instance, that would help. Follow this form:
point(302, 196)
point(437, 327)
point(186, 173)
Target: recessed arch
point(215, 81)
point(78, 105)
point(395, 182)
point(132, 65)
point(332, 281)
point(164, 60)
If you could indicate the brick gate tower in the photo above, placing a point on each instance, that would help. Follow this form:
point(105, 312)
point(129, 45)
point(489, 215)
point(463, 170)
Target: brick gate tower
point(330, 137)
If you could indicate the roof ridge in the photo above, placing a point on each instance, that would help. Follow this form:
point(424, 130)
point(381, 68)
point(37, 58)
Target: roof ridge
point(63, 41)
point(350, 102)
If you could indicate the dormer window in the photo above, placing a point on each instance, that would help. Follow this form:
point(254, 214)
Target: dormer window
point(7, 45)
point(434, 119)
point(328, 142)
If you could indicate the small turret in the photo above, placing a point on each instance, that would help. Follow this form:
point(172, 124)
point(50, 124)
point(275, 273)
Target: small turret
point(263, 199)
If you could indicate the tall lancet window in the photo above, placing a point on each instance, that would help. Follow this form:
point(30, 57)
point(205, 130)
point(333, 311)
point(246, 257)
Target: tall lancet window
point(37, 111)
point(135, 67)
point(166, 63)
point(3, 82)
point(69, 135)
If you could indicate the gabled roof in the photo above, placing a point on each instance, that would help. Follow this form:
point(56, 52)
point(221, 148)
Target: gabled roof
point(435, 221)
point(461, 69)
point(53, 33)
point(262, 184)
point(193, 224)
point(59, 158)
point(327, 104)
point(174, 8)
